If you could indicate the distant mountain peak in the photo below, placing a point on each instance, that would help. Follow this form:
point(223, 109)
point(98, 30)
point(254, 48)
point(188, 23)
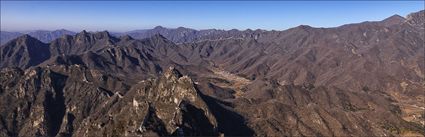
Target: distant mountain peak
point(102, 34)
point(159, 27)
point(28, 40)
point(395, 16)
point(304, 26)
point(183, 28)
point(393, 20)
point(82, 33)
point(126, 37)
point(27, 37)
point(62, 30)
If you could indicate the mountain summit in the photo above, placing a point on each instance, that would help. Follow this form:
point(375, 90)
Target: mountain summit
point(393, 20)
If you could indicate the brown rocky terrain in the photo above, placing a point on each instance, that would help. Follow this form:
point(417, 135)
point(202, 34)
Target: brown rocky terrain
point(363, 79)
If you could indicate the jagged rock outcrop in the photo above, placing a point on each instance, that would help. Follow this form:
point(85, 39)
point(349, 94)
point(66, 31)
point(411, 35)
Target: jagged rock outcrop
point(166, 106)
point(417, 19)
point(47, 102)
point(81, 43)
point(54, 102)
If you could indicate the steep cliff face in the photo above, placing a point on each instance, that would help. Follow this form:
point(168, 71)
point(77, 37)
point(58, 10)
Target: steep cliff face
point(46, 102)
point(68, 102)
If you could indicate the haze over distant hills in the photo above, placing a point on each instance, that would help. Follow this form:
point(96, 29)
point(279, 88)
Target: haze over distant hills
point(177, 35)
point(42, 35)
point(362, 79)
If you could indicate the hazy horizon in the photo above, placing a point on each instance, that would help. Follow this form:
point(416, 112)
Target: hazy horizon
point(114, 16)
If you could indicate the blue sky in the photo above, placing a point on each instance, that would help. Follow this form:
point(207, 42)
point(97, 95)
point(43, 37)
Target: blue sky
point(131, 15)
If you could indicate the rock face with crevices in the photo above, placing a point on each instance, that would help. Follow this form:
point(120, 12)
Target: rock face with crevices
point(47, 102)
point(61, 105)
point(166, 106)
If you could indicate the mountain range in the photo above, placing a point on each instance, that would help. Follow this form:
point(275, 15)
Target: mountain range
point(362, 79)
point(177, 35)
point(42, 35)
